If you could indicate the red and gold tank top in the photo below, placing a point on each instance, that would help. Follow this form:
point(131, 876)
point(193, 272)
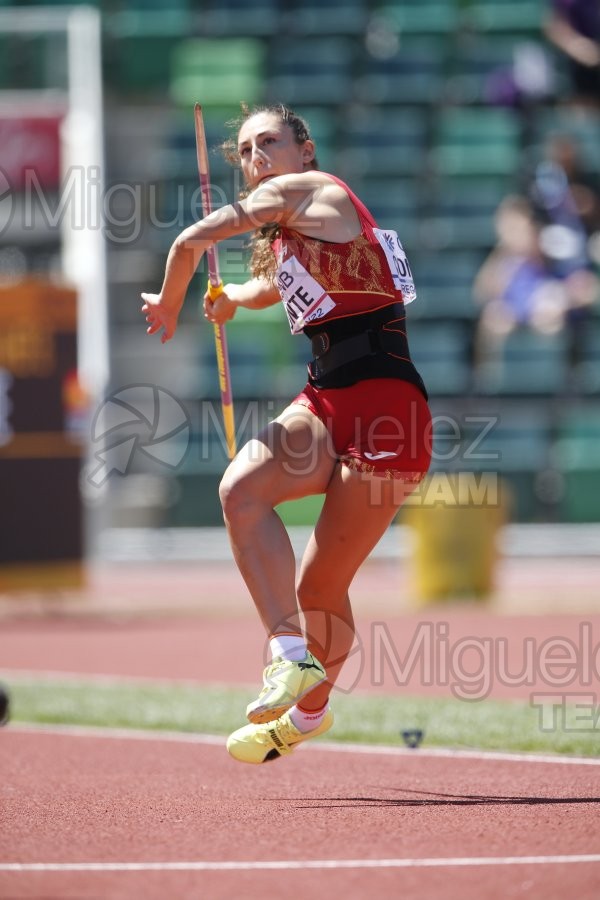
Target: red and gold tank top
point(320, 281)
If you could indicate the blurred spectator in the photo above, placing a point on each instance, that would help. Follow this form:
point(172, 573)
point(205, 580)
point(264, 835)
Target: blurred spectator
point(573, 26)
point(567, 202)
point(524, 81)
point(538, 275)
point(564, 192)
point(514, 286)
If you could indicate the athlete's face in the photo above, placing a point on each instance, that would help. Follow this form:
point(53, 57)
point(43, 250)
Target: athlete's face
point(267, 148)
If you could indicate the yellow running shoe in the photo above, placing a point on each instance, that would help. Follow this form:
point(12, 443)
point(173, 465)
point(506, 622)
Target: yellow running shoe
point(261, 743)
point(286, 681)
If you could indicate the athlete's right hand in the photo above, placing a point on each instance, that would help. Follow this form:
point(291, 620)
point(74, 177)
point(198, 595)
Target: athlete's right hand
point(223, 307)
point(159, 316)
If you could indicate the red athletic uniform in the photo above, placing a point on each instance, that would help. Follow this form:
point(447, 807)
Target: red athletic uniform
point(348, 298)
point(320, 281)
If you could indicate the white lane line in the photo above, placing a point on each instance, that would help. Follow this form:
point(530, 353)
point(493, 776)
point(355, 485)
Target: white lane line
point(119, 734)
point(226, 865)
point(183, 737)
point(443, 753)
point(25, 676)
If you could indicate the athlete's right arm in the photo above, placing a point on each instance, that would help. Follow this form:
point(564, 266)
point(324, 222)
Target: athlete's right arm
point(276, 201)
point(254, 294)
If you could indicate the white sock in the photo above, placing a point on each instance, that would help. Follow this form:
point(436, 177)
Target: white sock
point(288, 646)
point(307, 720)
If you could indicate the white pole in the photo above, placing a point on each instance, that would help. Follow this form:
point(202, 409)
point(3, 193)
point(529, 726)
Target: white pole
point(83, 247)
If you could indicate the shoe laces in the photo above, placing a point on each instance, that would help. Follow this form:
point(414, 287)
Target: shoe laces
point(280, 662)
point(287, 731)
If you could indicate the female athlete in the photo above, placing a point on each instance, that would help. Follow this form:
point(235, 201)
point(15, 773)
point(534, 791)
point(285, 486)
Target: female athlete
point(359, 432)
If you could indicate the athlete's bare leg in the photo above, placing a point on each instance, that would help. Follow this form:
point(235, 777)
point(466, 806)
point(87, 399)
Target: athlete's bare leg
point(358, 509)
point(291, 458)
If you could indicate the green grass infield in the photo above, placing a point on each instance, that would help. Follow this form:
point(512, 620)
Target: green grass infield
point(519, 726)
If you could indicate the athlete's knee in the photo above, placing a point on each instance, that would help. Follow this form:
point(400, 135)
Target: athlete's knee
point(240, 500)
point(233, 495)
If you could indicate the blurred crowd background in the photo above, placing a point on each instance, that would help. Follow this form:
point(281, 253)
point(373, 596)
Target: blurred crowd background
point(472, 127)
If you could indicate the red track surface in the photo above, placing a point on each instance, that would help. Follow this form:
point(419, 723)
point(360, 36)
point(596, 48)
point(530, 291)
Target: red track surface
point(192, 648)
point(69, 799)
point(75, 799)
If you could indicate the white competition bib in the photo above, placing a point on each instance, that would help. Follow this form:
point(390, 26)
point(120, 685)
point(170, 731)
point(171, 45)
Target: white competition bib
point(303, 298)
point(398, 263)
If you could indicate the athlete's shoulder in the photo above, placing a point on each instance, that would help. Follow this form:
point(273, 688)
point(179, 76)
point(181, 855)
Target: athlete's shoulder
point(312, 178)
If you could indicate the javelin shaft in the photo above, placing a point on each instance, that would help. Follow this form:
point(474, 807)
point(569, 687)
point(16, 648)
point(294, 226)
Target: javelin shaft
point(215, 286)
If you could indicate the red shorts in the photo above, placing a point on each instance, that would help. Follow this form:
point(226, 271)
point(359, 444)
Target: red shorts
point(381, 426)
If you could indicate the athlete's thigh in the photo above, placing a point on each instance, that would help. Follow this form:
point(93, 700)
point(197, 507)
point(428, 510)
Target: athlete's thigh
point(291, 457)
point(358, 509)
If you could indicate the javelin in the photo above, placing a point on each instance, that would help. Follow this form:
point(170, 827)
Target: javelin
point(215, 287)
